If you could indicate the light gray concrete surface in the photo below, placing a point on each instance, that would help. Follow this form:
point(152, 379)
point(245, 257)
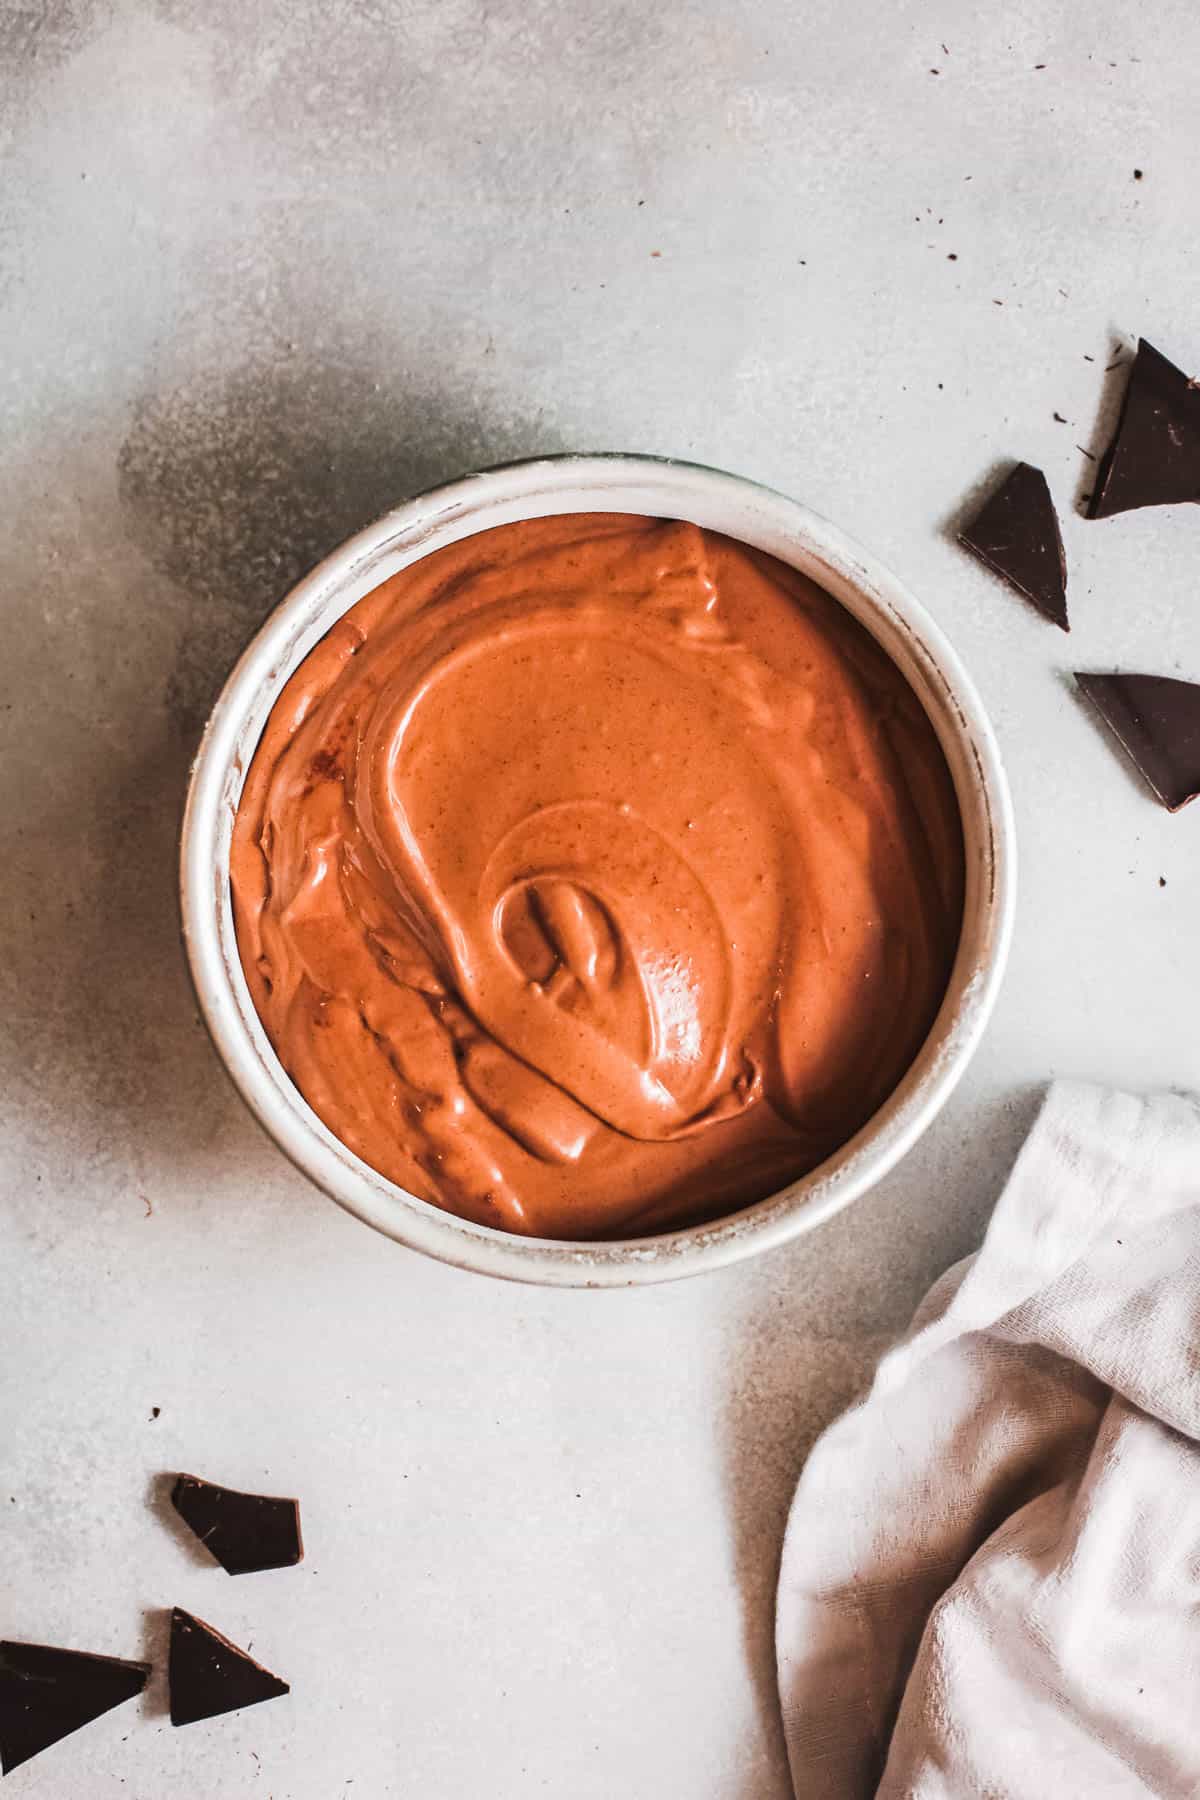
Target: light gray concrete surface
point(265, 268)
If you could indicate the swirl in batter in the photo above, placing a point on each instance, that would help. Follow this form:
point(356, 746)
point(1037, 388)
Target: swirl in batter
point(596, 875)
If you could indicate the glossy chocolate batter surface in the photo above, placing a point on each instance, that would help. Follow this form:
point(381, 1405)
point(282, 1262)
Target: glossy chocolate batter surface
point(596, 875)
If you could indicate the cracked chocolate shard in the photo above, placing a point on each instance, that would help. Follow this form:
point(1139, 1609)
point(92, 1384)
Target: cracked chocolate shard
point(46, 1694)
point(208, 1675)
point(1156, 719)
point(245, 1532)
point(1154, 459)
point(1017, 535)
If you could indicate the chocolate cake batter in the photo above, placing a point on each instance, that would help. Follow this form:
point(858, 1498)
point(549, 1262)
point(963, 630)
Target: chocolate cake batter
point(596, 875)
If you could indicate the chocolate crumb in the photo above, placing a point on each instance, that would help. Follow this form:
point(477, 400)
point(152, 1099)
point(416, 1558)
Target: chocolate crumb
point(1088, 358)
point(1137, 174)
point(951, 256)
point(154, 1411)
point(1060, 418)
point(1162, 881)
point(325, 766)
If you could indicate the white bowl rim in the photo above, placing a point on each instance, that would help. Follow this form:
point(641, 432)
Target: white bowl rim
point(656, 487)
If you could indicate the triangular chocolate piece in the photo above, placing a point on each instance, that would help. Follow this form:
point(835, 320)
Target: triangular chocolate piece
point(1154, 459)
point(46, 1694)
point(245, 1532)
point(1017, 535)
point(209, 1675)
point(1157, 720)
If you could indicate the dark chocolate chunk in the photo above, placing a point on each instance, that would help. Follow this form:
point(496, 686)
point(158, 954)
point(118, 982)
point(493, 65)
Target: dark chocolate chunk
point(46, 1694)
point(244, 1532)
point(1157, 721)
point(1154, 459)
point(1017, 535)
point(209, 1675)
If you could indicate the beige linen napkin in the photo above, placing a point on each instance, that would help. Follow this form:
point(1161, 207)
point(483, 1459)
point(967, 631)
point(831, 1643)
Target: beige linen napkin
point(991, 1578)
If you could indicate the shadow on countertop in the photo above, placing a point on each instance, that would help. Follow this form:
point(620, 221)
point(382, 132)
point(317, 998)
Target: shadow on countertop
point(131, 619)
point(235, 490)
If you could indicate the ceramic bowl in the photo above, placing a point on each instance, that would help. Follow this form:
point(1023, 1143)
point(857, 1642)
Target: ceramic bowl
point(632, 484)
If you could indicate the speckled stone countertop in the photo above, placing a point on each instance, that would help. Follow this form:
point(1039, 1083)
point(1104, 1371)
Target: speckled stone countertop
point(264, 270)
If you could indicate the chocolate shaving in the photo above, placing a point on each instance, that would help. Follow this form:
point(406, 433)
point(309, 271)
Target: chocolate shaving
point(1156, 720)
point(209, 1675)
point(1017, 536)
point(46, 1694)
point(245, 1532)
point(1154, 459)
